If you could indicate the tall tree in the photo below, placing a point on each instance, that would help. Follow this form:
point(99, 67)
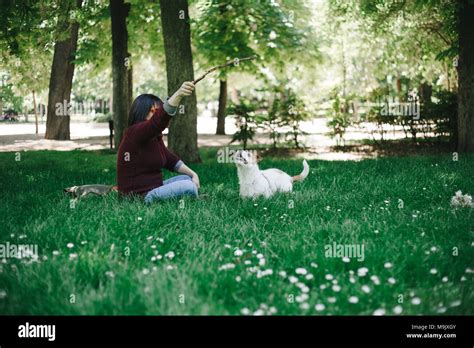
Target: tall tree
point(121, 67)
point(221, 110)
point(182, 137)
point(62, 72)
point(466, 77)
point(226, 30)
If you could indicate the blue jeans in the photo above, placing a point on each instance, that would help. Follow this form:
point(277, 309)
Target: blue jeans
point(177, 186)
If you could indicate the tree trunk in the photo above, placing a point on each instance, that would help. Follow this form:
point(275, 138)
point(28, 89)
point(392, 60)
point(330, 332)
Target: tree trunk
point(466, 78)
point(182, 136)
point(62, 72)
point(121, 67)
point(36, 112)
point(130, 87)
point(221, 111)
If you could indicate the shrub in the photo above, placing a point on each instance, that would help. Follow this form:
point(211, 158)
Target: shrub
point(287, 111)
point(246, 120)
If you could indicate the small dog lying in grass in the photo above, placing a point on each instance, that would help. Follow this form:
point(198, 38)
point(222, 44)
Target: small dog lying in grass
point(255, 182)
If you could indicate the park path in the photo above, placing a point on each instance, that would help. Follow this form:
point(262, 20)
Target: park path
point(94, 136)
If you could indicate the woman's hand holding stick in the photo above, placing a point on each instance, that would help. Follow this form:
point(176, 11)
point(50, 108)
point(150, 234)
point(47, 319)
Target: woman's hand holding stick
point(185, 90)
point(187, 87)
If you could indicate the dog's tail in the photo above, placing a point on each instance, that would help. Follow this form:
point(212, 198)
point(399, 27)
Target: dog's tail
point(303, 174)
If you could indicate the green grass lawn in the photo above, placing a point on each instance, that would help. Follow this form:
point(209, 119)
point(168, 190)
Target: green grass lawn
point(120, 259)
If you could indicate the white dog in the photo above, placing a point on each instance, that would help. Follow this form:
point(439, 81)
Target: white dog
point(255, 182)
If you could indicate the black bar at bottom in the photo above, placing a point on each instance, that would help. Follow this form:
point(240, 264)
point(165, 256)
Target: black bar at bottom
point(413, 330)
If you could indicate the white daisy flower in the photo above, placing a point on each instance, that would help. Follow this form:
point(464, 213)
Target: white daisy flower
point(238, 252)
point(329, 276)
point(301, 298)
point(365, 288)
point(110, 274)
point(433, 271)
point(416, 301)
point(226, 267)
point(72, 256)
point(170, 255)
point(345, 259)
point(353, 299)
point(362, 272)
point(301, 271)
point(398, 309)
point(331, 299)
point(70, 245)
point(455, 303)
point(319, 307)
point(292, 279)
point(388, 265)
point(304, 306)
point(391, 280)
point(245, 311)
point(375, 279)
point(379, 312)
point(459, 200)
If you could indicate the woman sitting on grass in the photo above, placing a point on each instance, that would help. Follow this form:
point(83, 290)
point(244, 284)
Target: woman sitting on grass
point(142, 153)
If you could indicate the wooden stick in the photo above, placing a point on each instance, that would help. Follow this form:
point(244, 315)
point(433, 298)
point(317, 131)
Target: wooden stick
point(228, 63)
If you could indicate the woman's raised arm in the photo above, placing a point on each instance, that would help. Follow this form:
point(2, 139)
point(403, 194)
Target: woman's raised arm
point(162, 116)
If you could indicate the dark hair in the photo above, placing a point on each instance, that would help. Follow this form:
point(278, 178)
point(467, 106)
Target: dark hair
point(141, 107)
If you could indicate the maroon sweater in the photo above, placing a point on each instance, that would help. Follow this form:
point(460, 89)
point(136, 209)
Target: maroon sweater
point(142, 154)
